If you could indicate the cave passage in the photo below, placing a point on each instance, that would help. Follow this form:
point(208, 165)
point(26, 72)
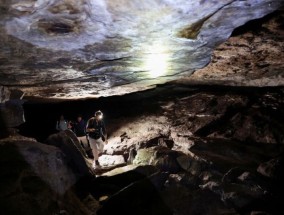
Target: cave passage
point(232, 131)
point(191, 93)
point(41, 117)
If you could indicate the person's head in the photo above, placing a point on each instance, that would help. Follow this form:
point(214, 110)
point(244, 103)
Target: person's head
point(98, 115)
point(79, 117)
point(61, 117)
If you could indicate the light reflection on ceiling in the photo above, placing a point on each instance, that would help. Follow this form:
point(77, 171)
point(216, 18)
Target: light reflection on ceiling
point(156, 62)
point(62, 49)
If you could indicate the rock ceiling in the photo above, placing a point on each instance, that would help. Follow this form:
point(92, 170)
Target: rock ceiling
point(83, 48)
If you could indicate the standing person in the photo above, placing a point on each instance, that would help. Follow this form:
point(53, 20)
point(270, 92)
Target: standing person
point(97, 136)
point(61, 124)
point(79, 128)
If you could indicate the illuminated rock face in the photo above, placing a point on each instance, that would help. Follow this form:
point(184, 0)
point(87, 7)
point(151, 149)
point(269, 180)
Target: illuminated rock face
point(78, 49)
point(252, 56)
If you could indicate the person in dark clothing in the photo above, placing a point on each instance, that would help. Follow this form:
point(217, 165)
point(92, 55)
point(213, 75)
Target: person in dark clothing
point(97, 136)
point(79, 128)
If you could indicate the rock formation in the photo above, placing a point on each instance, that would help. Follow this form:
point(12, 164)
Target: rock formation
point(52, 48)
point(11, 110)
point(192, 95)
point(36, 179)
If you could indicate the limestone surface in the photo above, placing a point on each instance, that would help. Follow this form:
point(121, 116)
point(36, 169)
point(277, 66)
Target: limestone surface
point(78, 49)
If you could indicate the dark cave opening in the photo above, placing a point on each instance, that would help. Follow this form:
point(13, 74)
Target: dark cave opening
point(41, 117)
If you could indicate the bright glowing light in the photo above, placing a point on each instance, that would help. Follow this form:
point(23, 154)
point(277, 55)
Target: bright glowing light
point(156, 61)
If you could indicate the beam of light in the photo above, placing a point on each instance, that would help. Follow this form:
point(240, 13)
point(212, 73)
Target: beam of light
point(156, 61)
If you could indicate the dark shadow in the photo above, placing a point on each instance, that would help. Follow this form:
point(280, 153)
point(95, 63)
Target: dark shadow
point(3, 129)
point(21, 189)
point(140, 198)
point(257, 24)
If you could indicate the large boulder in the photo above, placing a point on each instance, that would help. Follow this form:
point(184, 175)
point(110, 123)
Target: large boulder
point(140, 198)
point(35, 179)
point(161, 157)
point(72, 150)
point(111, 182)
point(226, 154)
point(183, 198)
point(272, 168)
point(111, 160)
point(11, 111)
point(4, 94)
point(192, 164)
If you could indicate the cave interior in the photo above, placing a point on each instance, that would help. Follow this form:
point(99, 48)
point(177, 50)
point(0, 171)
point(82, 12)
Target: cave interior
point(192, 98)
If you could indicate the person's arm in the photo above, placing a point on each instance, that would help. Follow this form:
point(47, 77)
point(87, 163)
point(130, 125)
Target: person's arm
point(88, 127)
